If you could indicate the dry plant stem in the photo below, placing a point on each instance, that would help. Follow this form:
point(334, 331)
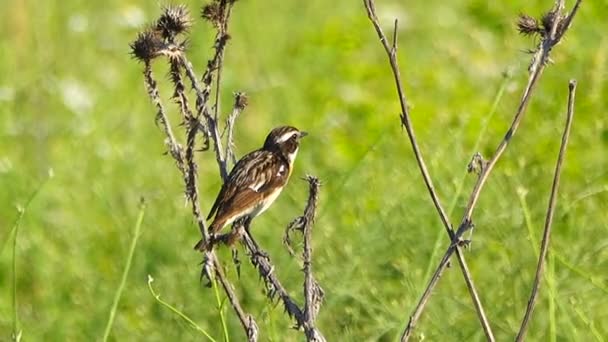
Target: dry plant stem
point(221, 34)
point(240, 101)
point(313, 294)
point(175, 149)
point(406, 121)
point(211, 262)
point(550, 211)
point(539, 61)
point(261, 261)
point(202, 96)
point(247, 321)
point(179, 95)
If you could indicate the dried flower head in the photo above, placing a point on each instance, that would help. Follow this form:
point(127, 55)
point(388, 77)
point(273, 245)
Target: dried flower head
point(212, 13)
point(527, 25)
point(240, 100)
point(174, 21)
point(147, 45)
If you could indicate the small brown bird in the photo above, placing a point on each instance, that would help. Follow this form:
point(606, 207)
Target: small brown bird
point(256, 180)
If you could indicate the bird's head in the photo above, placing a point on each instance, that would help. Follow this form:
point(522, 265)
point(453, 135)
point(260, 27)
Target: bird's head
point(285, 139)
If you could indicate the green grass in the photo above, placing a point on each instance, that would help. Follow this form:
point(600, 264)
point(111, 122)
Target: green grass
point(73, 100)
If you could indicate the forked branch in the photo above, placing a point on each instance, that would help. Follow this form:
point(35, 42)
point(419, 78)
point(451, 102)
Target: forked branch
point(550, 30)
point(391, 51)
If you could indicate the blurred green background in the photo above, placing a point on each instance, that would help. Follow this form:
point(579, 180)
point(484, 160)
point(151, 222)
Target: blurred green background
point(72, 100)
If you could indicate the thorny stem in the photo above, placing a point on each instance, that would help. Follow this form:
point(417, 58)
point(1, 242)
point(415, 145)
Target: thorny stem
point(187, 165)
point(406, 122)
point(247, 321)
point(208, 124)
point(179, 94)
point(202, 97)
point(175, 149)
point(550, 211)
point(313, 293)
point(240, 101)
point(221, 34)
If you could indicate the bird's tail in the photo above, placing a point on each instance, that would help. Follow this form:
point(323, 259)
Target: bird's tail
point(229, 239)
point(208, 245)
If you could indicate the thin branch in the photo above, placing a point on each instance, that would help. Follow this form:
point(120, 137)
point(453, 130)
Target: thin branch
point(247, 321)
point(313, 293)
point(261, 261)
point(211, 128)
point(175, 149)
point(222, 34)
point(406, 122)
point(539, 61)
point(179, 94)
point(240, 102)
point(550, 211)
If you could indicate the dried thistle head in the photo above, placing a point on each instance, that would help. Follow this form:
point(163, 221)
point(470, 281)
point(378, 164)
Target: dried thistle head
point(175, 20)
point(147, 45)
point(528, 26)
point(240, 100)
point(212, 13)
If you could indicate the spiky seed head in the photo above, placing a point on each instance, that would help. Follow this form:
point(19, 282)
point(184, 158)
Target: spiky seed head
point(147, 45)
point(212, 13)
point(240, 100)
point(175, 20)
point(527, 25)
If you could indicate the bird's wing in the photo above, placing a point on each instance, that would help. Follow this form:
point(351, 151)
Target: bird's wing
point(250, 180)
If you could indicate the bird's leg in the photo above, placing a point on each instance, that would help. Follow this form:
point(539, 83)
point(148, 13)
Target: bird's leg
point(256, 248)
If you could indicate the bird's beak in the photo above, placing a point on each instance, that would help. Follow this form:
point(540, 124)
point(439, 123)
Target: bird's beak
point(303, 134)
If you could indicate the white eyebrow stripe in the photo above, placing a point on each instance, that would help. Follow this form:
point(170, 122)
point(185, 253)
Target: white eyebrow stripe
point(286, 136)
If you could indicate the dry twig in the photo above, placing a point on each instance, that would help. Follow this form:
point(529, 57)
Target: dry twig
point(554, 27)
point(391, 51)
point(550, 211)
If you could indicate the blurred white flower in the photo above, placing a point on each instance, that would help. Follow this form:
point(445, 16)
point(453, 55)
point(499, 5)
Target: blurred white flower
point(76, 96)
point(5, 165)
point(132, 16)
point(7, 93)
point(78, 23)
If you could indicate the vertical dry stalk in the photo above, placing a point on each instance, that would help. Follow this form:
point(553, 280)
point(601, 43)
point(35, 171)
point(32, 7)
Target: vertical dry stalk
point(406, 122)
point(240, 102)
point(247, 321)
point(175, 150)
point(550, 211)
point(554, 26)
point(160, 41)
point(313, 293)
